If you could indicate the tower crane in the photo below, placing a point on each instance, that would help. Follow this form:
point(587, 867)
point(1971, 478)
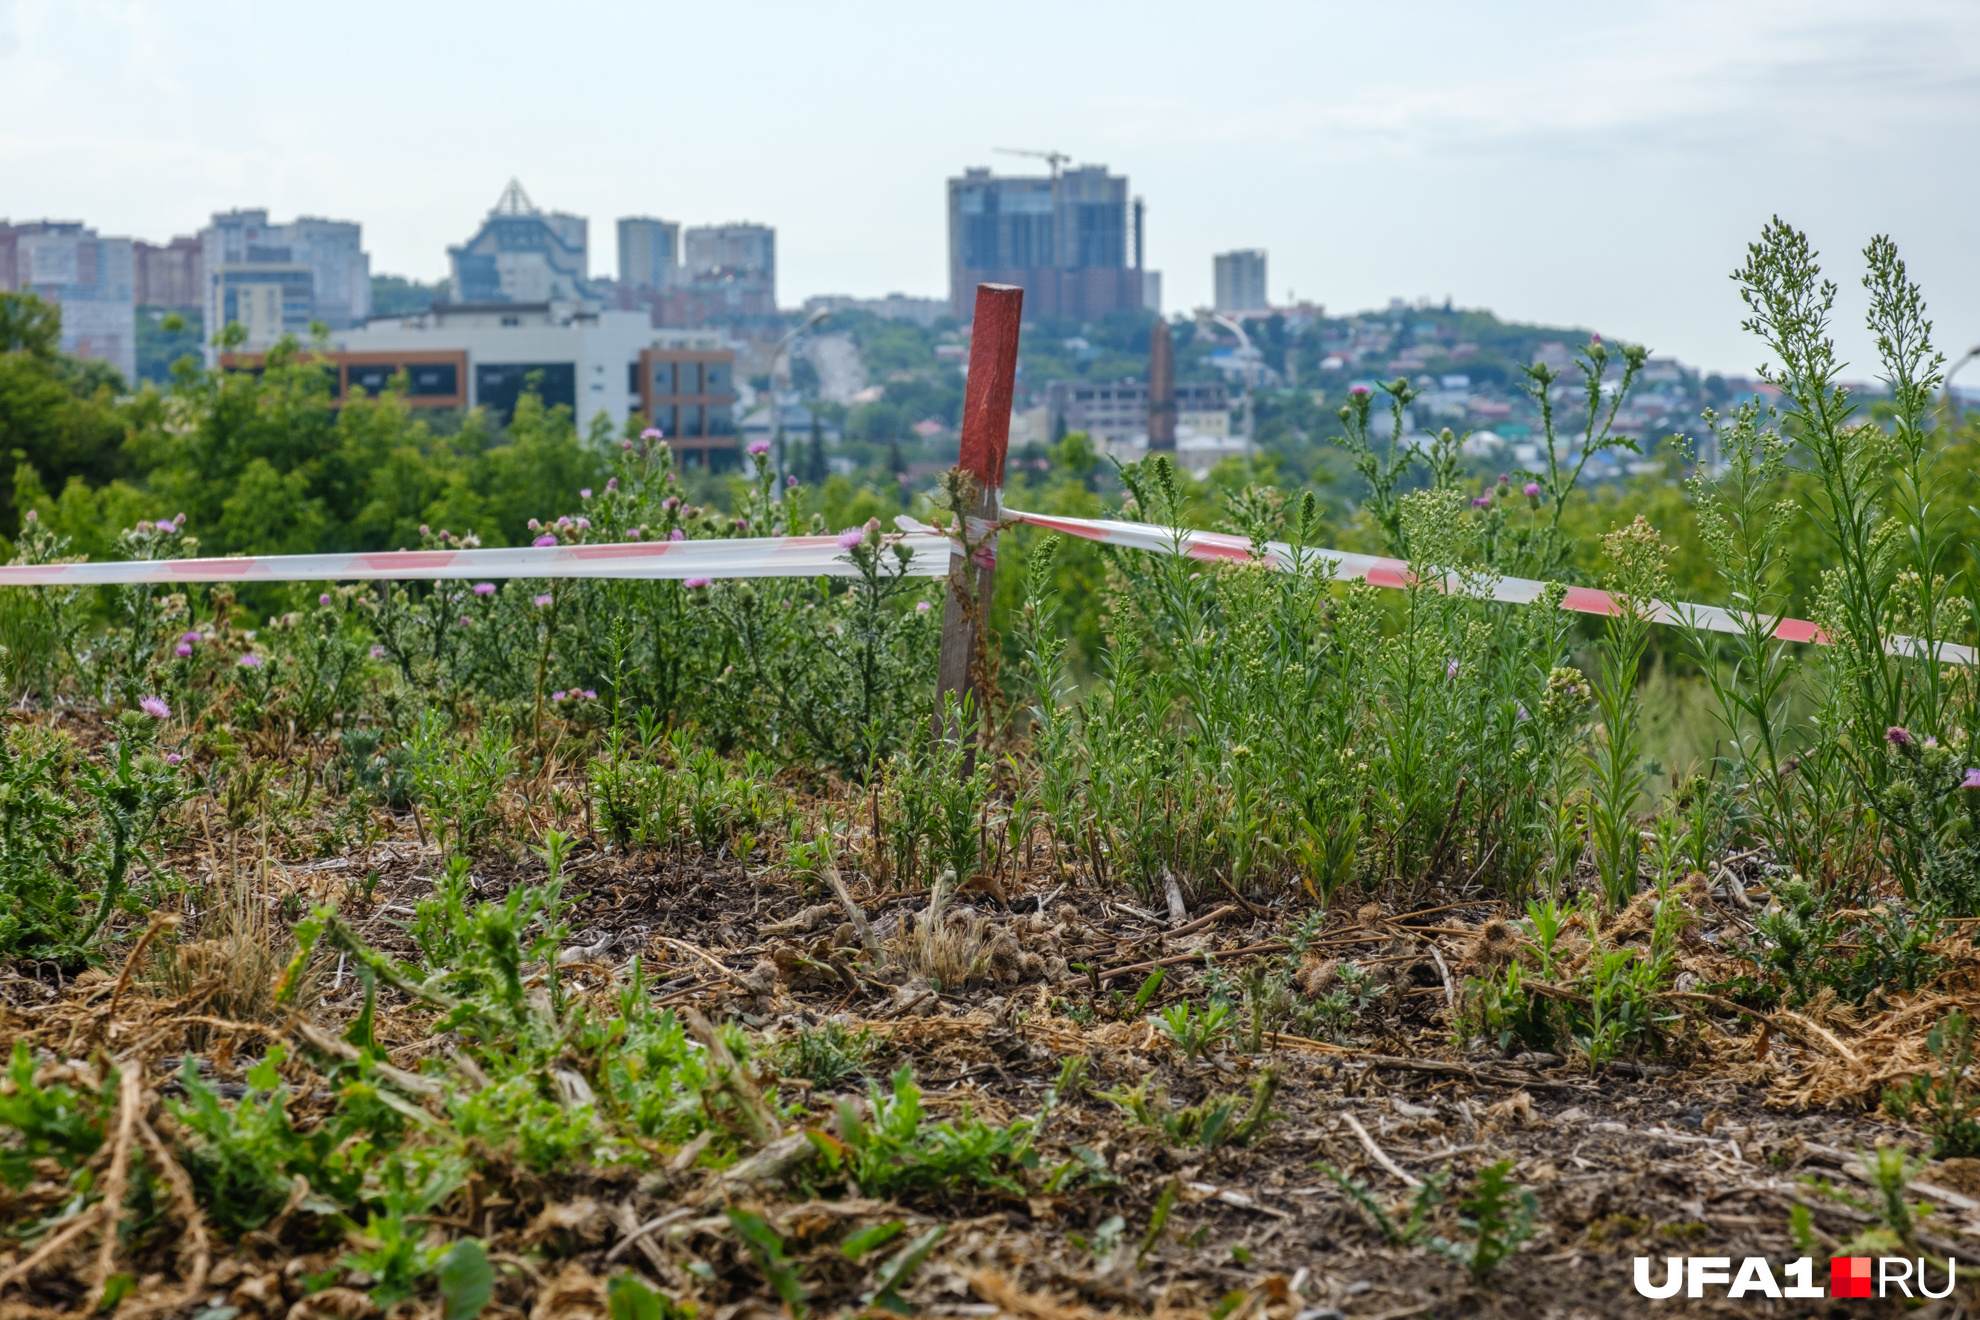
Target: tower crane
point(1052, 158)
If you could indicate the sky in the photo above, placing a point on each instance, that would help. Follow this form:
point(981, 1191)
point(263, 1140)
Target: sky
point(1593, 166)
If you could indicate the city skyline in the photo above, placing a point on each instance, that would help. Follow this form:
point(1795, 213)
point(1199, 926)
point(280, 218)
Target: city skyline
point(1604, 171)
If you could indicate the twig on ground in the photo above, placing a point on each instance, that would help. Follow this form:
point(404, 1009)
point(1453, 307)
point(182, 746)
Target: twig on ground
point(1377, 1153)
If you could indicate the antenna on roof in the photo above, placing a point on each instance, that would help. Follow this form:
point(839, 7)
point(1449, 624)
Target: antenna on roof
point(514, 201)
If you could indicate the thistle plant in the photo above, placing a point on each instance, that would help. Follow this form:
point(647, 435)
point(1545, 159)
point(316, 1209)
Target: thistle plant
point(1638, 580)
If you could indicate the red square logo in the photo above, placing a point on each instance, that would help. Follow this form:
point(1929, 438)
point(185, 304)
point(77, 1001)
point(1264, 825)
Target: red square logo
point(1849, 1276)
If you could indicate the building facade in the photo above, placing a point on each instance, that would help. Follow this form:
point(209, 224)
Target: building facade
point(522, 254)
point(90, 278)
point(1240, 281)
point(591, 362)
point(649, 252)
point(172, 276)
point(1072, 239)
point(278, 279)
point(1118, 413)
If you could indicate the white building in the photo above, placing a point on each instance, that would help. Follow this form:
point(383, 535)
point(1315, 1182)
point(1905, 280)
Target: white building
point(589, 361)
point(1240, 278)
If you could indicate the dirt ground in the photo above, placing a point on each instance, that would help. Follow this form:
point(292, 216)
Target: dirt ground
point(1704, 1149)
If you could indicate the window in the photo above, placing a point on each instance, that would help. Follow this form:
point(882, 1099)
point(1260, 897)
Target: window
point(690, 421)
point(497, 385)
point(690, 378)
point(434, 379)
point(664, 419)
point(632, 377)
point(663, 378)
point(372, 377)
point(720, 377)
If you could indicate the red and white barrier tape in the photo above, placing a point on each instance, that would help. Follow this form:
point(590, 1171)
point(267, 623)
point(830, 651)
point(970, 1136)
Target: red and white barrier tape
point(1382, 572)
point(752, 557)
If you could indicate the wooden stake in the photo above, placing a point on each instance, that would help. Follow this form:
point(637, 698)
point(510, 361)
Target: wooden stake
point(986, 437)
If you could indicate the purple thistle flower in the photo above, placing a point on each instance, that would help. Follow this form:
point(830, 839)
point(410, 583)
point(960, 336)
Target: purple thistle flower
point(695, 584)
point(1481, 501)
point(465, 621)
point(585, 493)
point(558, 695)
point(632, 533)
point(627, 445)
point(190, 638)
point(1522, 715)
point(534, 525)
point(1532, 491)
point(564, 521)
point(1451, 669)
point(173, 758)
point(324, 599)
point(677, 535)
point(758, 448)
point(165, 525)
point(1359, 391)
point(1898, 736)
point(548, 538)
point(249, 661)
point(851, 537)
point(1972, 781)
point(543, 601)
point(182, 650)
point(589, 695)
point(582, 524)
point(484, 588)
point(178, 520)
point(650, 433)
point(671, 503)
point(790, 483)
point(377, 653)
point(155, 707)
point(611, 484)
point(424, 529)
point(921, 607)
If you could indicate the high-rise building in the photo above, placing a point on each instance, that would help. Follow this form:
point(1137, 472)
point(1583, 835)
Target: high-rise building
point(90, 278)
point(1072, 239)
point(172, 276)
point(649, 252)
point(522, 254)
point(1240, 279)
point(276, 280)
point(743, 252)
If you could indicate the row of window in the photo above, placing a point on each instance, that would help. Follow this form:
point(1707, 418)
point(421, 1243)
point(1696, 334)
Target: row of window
point(692, 420)
point(678, 378)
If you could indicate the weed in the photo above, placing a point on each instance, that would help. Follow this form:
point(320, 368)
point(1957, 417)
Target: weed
point(1194, 1033)
point(1498, 1214)
point(1209, 1125)
point(895, 1150)
point(1945, 1099)
point(825, 1055)
point(1422, 1205)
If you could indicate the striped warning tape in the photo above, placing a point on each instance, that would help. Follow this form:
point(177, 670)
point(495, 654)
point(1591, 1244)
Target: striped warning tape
point(1383, 572)
point(750, 557)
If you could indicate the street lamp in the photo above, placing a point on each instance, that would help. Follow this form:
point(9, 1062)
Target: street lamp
point(1952, 403)
point(818, 317)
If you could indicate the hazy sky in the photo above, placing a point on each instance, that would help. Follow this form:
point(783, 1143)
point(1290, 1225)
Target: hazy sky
point(1599, 166)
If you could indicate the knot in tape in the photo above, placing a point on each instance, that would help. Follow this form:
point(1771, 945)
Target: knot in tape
point(982, 534)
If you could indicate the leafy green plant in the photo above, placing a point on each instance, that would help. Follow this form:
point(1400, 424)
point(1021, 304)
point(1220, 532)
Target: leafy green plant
point(1422, 1205)
point(825, 1055)
point(1945, 1100)
point(1498, 1214)
point(1638, 584)
point(57, 1122)
point(767, 1246)
point(1216, 1121)
point(896, 1150)
point(1194, 1033)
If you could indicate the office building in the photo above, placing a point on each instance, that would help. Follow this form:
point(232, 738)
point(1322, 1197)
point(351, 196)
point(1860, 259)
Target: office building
point(90, 278)
point(1072, 239)
point(172, 277)
point(1119, 413)
point(649, 252)
point(522, 254)
point(613, 362)
point(1240, 278)
point(745, 251)
point(276, 280)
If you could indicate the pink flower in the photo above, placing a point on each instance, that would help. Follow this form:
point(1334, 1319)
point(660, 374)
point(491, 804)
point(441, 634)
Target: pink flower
point(173, 758)
point(484, 588)
point(589, 695)
point(611, 483)
point(585, 494)
point(423, 529)
point(543, 601)
point(33, 515)
point(564, 521)
point(677, 535)
point(650, 433)
point(632, 533)
point(758, 448)
point(249, 661)
point(182, 650)
point(558, 696)
point(1359, 391)
point(1522, 715)
point(1594, 339)
point(534, 525)
point(671, 503)
point(583, 524)
point(851, 537)
point(377, 653)
point(324, 599)
point(1532, 490)
point(1897, 736)
point(1972, 781)
point(165, 526)
point(695, 584)
point(548, 538)
point(155, 707)
point(465, 621)
point(190, 638)
point(921, 607)
point(1451, 669)
point(790, 483)
point(178, 520)
point(627, 444)
point(1481, 501)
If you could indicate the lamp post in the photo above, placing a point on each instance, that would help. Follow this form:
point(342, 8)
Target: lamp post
point(1952, 402)
point(818, 317)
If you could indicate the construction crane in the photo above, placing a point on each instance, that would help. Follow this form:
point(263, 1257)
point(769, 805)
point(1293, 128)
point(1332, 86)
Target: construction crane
point(1052, 158)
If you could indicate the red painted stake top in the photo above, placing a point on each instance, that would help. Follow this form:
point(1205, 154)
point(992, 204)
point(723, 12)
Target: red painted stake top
point(993, 356)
